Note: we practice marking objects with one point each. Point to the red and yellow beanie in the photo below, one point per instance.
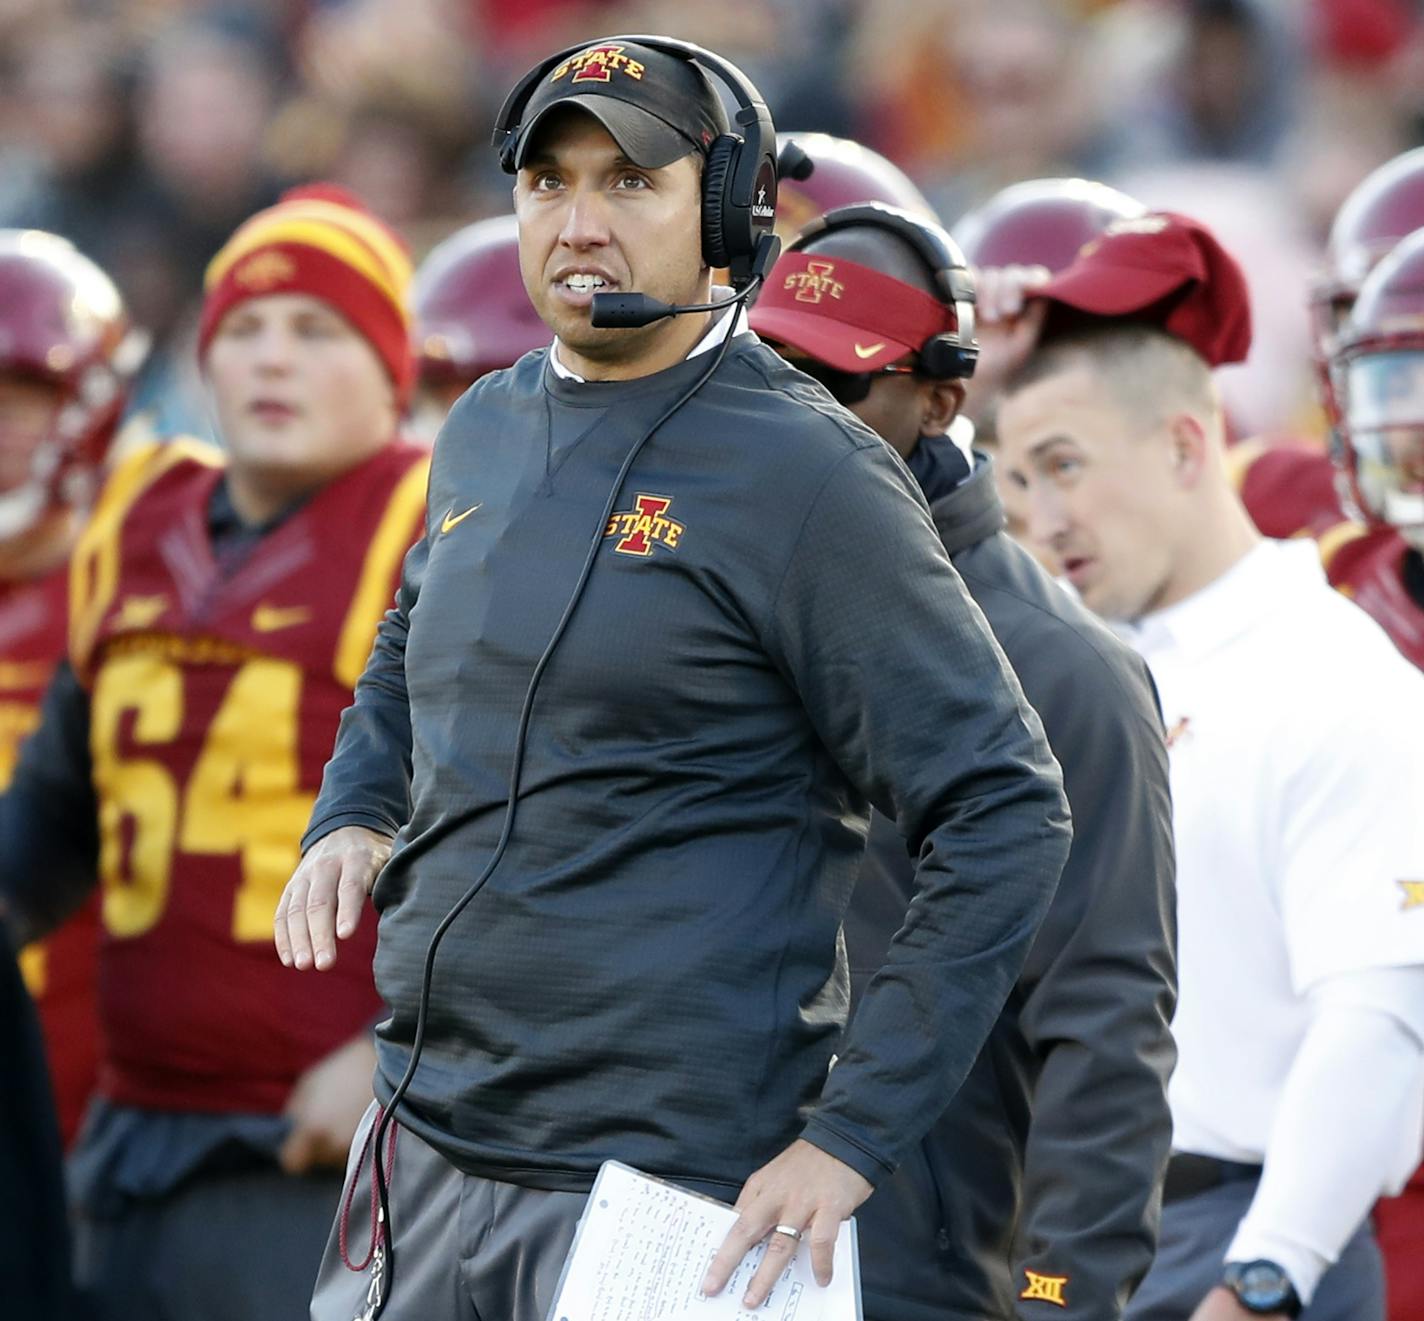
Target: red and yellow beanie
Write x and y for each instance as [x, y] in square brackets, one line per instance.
[319, 240]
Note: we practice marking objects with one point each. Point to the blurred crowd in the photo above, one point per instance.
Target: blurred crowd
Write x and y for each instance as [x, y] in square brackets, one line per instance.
[145, 130]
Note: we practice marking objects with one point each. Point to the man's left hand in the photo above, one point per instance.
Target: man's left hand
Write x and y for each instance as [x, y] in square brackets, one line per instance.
[803, 1187]
[1221, 1305]
[326, 1107]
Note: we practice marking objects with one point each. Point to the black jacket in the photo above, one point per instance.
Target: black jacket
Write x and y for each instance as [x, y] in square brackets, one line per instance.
[34, 1241]
[1061, 1131]
[771, 638]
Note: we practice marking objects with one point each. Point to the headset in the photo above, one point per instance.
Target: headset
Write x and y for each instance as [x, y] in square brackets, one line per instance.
[738, 210]
[952, 354]
[738, 179]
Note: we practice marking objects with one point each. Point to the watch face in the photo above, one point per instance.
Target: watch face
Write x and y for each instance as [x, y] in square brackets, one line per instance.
[1263, 1287]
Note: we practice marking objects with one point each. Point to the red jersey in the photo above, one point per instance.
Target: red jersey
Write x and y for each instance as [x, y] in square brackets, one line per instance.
[1288, 488]
[214, 701]
[59, 971]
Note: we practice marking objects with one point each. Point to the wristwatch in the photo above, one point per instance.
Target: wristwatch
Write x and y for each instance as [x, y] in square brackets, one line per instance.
[1262, 1287]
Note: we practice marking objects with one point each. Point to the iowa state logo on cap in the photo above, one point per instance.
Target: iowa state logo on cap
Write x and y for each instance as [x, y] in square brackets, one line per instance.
[816, 282]
[598, 64]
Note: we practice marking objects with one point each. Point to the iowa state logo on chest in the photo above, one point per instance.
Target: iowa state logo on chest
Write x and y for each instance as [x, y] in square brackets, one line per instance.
[644, 526]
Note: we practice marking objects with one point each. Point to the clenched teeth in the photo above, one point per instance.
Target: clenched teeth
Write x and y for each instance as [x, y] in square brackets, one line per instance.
[582, 284]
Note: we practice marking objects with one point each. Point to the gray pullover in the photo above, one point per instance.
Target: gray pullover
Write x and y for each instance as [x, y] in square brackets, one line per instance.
[772, 639]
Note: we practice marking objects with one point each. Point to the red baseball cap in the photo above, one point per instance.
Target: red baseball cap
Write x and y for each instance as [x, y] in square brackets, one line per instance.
[1166, 268]
[844, 314]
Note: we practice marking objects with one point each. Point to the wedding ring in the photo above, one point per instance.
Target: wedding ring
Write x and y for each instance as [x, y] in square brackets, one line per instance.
[789, 1230]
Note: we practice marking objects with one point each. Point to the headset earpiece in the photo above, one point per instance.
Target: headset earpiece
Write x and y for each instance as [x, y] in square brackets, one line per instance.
[941, 356]
[716, 179]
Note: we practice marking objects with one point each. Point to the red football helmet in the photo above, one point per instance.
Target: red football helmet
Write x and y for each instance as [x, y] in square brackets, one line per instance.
[63, 323]
[1378, 369]
[1385, 206]
[1041, 222]
[471, 312]
[845, 174]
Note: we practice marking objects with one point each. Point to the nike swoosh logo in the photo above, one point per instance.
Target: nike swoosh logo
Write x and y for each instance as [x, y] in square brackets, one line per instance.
[868, 350]
[138, 612]
[452, 518]
[271, 618]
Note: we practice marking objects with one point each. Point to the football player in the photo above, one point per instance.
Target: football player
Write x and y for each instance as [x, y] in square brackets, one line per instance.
[1378, 366]
[1291, 487]
[67, 354]
[843, 173]
[471, 316]
[1379, 369]
[221, 608]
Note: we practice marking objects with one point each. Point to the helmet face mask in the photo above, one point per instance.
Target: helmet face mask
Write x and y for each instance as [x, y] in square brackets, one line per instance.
[1377, 375]
[30, 448]
[64, 331]
[1384, 411]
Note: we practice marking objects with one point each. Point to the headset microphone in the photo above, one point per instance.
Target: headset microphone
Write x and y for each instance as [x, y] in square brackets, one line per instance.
[628, 311]
[793, 162]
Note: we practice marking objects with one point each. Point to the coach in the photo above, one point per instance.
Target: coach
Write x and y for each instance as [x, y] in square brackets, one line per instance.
[770, 639]
[1036, 1193]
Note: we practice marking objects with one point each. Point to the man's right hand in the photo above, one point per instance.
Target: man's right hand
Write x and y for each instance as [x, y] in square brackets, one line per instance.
[1007, 322]
[323, 901]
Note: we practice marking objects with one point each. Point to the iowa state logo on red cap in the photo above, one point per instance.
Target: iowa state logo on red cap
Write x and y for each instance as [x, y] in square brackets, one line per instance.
[598, 64]
[815, 282]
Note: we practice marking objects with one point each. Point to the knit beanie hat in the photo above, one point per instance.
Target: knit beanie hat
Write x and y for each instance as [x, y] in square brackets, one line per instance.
[319, 240]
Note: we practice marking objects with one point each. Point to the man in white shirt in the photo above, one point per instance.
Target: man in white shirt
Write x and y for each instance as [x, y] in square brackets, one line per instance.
[1297, 777]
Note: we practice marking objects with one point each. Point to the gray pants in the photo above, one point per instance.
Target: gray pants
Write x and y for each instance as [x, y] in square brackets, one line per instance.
[466, 1249]
[1196, 1232]
[239, 1246]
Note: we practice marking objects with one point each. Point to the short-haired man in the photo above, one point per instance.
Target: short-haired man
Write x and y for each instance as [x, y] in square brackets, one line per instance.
[1036, 1193]
[651, 972]
[1296, 781]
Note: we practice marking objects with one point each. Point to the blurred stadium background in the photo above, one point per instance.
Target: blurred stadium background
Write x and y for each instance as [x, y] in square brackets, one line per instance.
[145, 130]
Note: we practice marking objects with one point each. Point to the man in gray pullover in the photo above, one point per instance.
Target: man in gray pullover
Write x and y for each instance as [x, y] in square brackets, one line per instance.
[770, 638]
